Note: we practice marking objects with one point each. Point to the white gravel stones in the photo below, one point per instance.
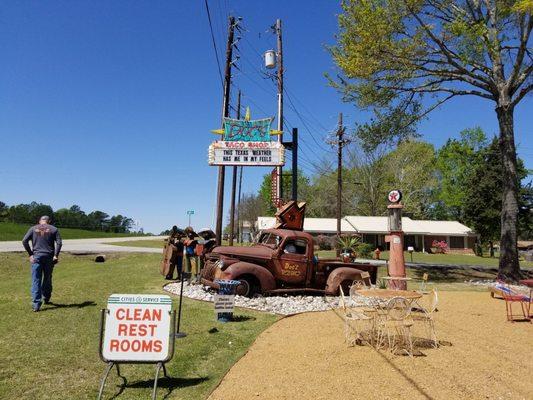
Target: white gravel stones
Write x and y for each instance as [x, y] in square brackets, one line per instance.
[285, 305]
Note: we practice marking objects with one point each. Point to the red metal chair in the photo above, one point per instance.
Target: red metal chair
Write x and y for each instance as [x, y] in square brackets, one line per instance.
[511, 297]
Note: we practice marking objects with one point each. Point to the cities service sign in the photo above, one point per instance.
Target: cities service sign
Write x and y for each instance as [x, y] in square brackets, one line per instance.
[247, 142]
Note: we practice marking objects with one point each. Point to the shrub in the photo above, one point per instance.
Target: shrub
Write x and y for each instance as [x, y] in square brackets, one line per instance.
[324, 242]
[364, 250]
[440, 246]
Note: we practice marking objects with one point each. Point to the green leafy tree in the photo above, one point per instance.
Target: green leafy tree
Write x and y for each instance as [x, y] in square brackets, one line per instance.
[397, 55]
[455, 161]
[98, 220]
[482, 194]
[411, 168]
[265, 191]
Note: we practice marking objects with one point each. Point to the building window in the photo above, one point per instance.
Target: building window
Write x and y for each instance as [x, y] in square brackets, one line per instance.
[457, 242]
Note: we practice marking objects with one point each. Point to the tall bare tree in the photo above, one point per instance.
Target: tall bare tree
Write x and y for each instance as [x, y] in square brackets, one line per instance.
[392, 53]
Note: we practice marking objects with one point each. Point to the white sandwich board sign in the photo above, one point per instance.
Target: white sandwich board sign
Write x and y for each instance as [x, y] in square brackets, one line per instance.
[137, 328]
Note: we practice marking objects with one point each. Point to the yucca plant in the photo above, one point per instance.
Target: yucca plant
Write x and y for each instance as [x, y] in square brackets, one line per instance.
[348, 243]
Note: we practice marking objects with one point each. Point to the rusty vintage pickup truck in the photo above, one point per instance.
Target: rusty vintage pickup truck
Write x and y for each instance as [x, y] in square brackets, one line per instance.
[281, 261]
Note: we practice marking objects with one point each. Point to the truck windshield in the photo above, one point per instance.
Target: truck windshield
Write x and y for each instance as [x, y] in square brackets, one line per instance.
[269, 239]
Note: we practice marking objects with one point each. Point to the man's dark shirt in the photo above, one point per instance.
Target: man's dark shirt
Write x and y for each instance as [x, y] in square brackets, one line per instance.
[43, 237]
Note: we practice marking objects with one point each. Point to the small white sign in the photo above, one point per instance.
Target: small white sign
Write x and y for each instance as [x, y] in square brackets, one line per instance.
[224, 303]
[137, 327]
[395, 240]
[246, 153]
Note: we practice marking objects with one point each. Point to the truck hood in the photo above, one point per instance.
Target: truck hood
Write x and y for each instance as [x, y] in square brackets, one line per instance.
[256, 251]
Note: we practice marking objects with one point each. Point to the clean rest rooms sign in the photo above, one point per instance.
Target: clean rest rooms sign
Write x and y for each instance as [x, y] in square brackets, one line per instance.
[246, 153]
[137, 327]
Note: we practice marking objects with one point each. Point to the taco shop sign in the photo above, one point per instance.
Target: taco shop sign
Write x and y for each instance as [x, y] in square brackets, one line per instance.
[246, 153]
[247, 142]
[137, 328]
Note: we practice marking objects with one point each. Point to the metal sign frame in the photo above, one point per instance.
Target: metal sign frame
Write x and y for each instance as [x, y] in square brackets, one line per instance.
[115, 363]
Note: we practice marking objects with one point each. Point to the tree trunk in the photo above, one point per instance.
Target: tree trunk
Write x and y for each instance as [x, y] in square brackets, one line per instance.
[509, 268]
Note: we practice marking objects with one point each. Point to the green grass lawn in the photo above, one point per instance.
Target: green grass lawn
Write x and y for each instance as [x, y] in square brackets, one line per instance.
[11, 231]
[53, 354]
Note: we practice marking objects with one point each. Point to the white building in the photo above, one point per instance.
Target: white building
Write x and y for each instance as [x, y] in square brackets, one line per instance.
[418, 233]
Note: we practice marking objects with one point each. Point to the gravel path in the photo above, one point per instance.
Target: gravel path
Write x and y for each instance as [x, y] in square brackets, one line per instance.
[305, 357]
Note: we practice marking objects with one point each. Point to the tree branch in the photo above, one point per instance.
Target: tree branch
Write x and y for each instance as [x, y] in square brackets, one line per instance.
[525, 90]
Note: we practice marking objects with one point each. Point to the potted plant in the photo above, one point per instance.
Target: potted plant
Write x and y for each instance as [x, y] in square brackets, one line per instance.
[348, 245]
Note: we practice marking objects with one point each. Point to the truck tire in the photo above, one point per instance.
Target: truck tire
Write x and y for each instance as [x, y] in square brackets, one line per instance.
[249, 286]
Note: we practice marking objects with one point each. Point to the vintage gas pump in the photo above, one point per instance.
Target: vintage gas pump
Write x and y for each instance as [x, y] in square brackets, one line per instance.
[395, 239]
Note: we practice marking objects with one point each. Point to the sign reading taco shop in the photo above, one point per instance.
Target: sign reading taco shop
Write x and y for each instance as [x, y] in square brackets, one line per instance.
[247, 142]
[137, 328]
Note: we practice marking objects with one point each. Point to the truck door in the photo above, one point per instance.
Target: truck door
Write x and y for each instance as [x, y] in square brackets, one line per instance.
[293, 261]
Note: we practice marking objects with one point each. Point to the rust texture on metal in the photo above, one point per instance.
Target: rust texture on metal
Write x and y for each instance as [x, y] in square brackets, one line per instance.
[282, 261]
[291, 216]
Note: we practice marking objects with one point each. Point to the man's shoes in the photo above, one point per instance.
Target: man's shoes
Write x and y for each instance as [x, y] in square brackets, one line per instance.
[35, 309]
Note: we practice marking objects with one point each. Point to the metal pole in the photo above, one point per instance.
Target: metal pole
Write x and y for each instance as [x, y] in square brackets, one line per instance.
[239, 225]
[295, 164]
[279, 170]
[234, 184]
[225, 113]
[340, 133]
[179, 334]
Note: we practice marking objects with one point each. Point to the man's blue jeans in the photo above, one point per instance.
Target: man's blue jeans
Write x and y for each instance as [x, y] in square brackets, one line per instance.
[41, 277]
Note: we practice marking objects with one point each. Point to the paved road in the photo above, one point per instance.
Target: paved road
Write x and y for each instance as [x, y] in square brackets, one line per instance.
[101, 245]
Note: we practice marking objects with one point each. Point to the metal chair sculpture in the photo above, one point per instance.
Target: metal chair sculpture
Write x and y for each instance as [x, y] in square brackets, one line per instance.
[425, 316]
[511, 297]
[398, 325]
[355, 322]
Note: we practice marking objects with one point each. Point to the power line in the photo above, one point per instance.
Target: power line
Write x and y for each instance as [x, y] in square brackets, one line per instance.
[292, 106]
[214, 43]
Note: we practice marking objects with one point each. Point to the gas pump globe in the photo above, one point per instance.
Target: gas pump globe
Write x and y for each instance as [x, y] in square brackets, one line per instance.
[395, 213]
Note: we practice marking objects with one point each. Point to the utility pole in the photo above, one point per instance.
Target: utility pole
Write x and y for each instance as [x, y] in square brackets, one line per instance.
[234, 184]
[225, 113]
[279, 170]
[340, 144]
[239, 223]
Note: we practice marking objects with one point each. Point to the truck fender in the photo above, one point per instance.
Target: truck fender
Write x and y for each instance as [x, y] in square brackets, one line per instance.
[340, 275]
[265, 278]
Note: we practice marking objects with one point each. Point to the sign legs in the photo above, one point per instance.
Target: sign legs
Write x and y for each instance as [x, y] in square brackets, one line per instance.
[157, 369]
[110, 365]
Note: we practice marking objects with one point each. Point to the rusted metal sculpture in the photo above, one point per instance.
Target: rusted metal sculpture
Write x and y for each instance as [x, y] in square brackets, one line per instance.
[282, 261]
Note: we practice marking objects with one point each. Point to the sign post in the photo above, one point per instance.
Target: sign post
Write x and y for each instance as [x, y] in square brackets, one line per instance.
[137, 329]
[190, 213]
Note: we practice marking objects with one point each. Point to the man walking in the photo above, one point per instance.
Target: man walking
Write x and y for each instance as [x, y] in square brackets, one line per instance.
[46, 243]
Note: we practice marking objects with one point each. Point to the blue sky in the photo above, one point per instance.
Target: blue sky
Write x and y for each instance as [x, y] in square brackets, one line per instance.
[109, 104]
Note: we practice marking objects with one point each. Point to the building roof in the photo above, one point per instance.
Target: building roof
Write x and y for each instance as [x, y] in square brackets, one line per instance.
[375, 225]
